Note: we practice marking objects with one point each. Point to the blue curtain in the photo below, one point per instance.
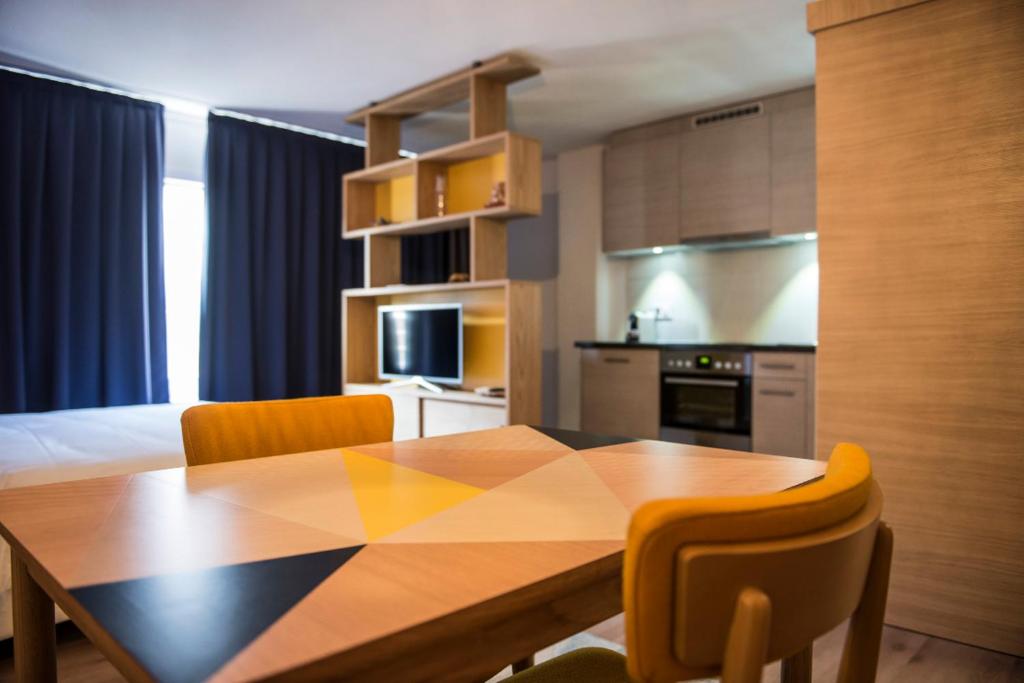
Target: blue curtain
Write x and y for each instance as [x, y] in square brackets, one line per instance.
[433, 258]
[275, 262]
[81, 262]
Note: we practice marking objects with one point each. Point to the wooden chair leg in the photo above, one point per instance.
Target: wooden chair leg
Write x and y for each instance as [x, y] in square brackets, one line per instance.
[35, 646]
[797, 669]
[747, 646]
[864, 637]
[522, 664]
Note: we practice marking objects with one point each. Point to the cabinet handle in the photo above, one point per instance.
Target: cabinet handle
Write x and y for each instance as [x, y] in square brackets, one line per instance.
[776, 392]
[616, 360]
[701, 382]
[778, 366]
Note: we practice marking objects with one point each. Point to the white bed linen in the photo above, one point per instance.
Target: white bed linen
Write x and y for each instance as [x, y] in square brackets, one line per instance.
[64, 445]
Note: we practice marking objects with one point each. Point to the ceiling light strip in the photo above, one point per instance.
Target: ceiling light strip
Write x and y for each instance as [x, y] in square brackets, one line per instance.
[299, 129]
[80, 84]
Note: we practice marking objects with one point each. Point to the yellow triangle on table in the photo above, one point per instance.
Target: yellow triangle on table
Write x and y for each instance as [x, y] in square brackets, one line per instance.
[391, 497]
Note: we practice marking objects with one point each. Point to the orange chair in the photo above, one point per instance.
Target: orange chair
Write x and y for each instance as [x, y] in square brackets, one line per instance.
[221, 432]
[721, 586]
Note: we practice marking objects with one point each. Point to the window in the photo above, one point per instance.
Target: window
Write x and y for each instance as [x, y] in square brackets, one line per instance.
[184, 245]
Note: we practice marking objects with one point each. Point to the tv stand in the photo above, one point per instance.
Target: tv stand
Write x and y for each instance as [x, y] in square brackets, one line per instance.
[415, 381]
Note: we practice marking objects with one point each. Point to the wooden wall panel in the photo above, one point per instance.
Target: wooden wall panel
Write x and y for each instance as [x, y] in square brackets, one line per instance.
[523, 321]
[920, 144]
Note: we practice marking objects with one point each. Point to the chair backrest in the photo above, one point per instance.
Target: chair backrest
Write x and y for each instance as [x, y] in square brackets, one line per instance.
[804, 553]
[220, 432]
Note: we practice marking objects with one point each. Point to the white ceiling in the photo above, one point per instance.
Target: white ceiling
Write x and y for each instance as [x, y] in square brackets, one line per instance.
[606, 64]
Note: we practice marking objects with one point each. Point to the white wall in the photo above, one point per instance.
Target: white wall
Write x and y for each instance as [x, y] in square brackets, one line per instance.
[591, 287]
[763, 295]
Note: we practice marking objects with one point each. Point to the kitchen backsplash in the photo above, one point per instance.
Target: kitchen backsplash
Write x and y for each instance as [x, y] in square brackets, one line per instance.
[764, 295]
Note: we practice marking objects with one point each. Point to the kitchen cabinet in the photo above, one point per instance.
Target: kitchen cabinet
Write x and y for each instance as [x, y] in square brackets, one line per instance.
[782, 410]
[746, 174]
[619, 392]
[641, 206]
[793, 171]
[779, 417]
[725, 179]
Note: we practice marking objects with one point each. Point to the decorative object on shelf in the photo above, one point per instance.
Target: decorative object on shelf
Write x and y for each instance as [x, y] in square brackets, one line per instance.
[439, 188]
[458, 277]
[497, 195]
[382, 221]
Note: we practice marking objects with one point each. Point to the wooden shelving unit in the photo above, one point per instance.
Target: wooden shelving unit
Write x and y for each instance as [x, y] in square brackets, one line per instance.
[501, 316]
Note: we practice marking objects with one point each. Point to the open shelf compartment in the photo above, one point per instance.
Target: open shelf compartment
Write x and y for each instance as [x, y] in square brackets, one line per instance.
[501, 336]
[382, 193]
[404, 192]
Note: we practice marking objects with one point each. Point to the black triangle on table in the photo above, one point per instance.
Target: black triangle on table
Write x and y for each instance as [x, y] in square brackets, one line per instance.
[185, 626]
[581, 440]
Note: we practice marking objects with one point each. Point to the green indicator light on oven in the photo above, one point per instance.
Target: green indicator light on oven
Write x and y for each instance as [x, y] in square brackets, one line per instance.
[703, 361]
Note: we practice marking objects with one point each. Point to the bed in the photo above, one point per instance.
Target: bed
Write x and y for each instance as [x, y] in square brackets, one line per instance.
[63, 445]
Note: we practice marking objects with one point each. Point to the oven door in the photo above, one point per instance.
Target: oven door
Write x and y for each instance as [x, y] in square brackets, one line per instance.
[712, 403]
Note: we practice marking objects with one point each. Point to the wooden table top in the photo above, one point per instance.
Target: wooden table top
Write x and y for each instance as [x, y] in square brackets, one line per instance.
[248, 569]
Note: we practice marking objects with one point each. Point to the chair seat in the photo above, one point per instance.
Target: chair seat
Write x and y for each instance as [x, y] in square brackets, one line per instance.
[586, 665]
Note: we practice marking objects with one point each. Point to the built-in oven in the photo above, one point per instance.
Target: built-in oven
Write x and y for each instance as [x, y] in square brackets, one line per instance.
[705, 398]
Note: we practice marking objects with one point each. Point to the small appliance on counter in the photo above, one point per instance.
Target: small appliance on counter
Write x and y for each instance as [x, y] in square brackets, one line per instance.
[643, 326]
[633, 333]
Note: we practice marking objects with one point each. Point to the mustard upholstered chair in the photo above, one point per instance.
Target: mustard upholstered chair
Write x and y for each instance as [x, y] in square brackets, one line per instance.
[220, 432]
[721, 586]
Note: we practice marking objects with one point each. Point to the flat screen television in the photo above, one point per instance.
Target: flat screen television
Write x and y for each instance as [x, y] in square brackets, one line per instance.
[420, 340]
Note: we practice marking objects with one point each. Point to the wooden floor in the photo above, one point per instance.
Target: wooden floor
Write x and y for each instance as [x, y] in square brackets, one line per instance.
[906, 657]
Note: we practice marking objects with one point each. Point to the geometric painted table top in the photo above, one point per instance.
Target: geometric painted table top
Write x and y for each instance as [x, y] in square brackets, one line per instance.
[245, 569]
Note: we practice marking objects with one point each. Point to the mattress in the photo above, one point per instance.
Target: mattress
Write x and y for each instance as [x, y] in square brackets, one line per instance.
[64, 445]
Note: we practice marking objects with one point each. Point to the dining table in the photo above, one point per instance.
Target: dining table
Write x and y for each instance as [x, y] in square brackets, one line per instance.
[433, 559]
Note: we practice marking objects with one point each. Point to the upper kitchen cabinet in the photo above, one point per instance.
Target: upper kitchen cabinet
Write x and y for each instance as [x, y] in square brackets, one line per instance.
[725, 177]
[793, 166]
[747, 170]
[641, 181]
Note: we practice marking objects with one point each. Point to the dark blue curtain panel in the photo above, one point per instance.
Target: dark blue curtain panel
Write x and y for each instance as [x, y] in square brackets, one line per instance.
[275, 262]
[81, 257]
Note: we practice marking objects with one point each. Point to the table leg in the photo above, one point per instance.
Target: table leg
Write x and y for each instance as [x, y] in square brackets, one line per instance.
[35, 649]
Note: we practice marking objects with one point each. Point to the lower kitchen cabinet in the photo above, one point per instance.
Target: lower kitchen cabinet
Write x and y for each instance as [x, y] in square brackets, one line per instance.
[620, 392]
[782, 404]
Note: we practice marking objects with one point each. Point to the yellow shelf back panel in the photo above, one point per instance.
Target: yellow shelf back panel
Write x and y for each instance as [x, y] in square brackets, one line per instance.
[483, 331]
[469, 183]
[394, 199]
[483, 353]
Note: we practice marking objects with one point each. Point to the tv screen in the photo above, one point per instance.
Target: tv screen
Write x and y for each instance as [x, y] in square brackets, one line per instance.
[423, 340]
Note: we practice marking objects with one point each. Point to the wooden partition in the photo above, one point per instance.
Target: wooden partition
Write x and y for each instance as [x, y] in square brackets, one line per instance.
[393, 197]
[920, 144]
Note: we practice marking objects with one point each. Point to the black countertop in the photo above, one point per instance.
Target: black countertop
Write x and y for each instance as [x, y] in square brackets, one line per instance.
[672, 346]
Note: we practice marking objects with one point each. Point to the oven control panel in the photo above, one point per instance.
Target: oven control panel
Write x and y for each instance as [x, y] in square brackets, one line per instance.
[699, 362]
